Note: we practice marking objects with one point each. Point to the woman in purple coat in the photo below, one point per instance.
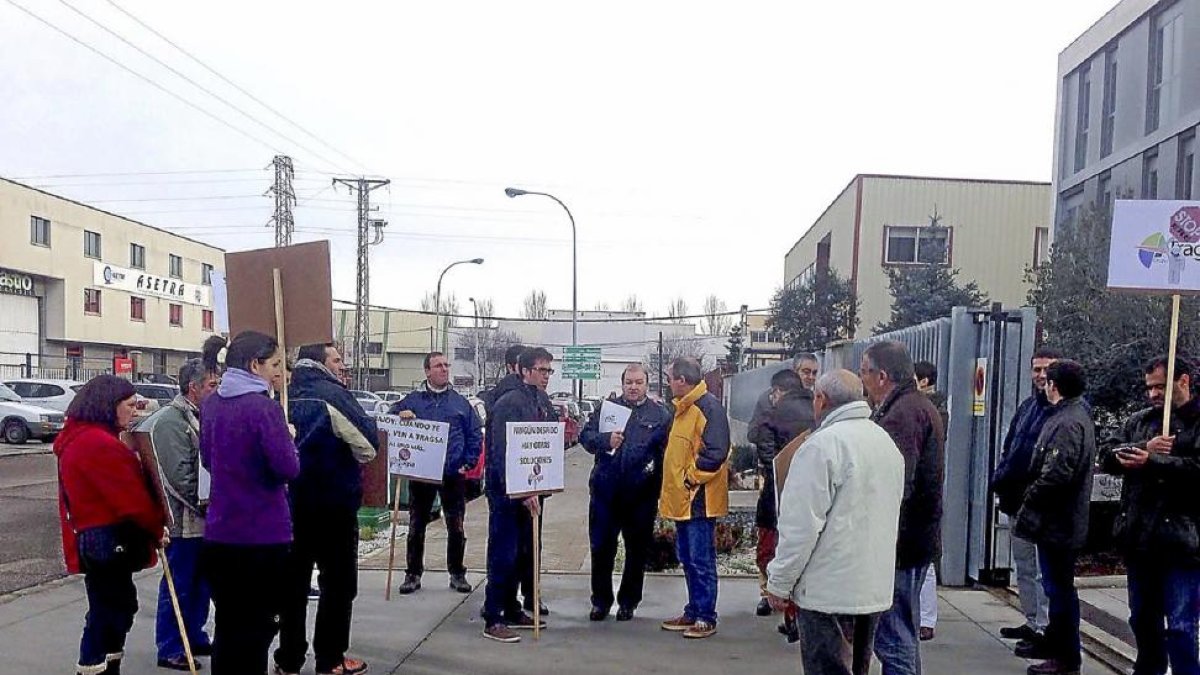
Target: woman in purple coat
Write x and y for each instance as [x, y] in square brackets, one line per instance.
[247, 447]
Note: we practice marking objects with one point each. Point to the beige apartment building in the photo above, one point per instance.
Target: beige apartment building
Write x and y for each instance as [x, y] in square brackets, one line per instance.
[762, 345]
[990, 230]
[80, 287]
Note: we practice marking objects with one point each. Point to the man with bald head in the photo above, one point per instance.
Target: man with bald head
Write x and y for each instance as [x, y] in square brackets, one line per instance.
[838, 519]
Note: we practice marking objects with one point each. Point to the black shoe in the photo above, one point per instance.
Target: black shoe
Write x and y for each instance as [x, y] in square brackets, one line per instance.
[598, 614]
[177, 663]
[542, 608]
[1022, 632]
[625, 614]
[1032, 649]
[525, 621]
[1052, 667]
[202, 650]
[412, 584]
[458, 582]
[764, 608]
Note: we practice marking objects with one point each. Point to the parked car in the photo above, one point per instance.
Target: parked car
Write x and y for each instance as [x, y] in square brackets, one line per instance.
[588, 408]
[571, 434]
[20, 421]
[369, 401]
[163, 394]
[53, 394]
[390, 396]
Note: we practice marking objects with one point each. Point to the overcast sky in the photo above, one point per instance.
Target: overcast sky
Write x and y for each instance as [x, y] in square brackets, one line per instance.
[694, 141]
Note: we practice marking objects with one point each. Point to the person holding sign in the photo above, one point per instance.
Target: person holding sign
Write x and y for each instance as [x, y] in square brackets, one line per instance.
[1158, 514]
[436, 401]
[334, 437]
[626, 479]
[526, 403]
[695, 492]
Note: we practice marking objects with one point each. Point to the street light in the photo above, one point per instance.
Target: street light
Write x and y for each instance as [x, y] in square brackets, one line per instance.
[437, 298]
[517, 192]
[478, 367]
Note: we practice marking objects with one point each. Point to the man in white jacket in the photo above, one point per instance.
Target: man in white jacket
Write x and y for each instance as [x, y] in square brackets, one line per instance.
[838, 517]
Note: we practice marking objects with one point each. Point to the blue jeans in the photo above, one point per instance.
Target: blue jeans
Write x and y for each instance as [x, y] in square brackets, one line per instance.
[897, 644]
[697, 550]
[190, 586]
[503, 574]
[1159, 590]
[1058, 580]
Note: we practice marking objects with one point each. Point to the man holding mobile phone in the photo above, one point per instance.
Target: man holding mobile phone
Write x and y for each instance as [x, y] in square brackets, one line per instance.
[1157, 525]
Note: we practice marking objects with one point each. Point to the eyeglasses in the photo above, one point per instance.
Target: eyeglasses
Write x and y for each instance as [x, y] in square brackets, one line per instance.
[548, 371]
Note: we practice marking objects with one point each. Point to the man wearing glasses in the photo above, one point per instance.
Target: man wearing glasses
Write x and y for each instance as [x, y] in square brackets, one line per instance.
[526, 403]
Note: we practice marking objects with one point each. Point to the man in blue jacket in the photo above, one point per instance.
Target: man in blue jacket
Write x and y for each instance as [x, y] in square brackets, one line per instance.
[436, 401]
[334, 436]
[626, 479]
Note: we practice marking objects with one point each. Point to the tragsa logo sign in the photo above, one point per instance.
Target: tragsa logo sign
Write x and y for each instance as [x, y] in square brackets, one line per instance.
[1153, 248]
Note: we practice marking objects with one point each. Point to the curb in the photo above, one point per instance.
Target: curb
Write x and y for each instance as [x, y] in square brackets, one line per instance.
[1096, 643]
[25, 452]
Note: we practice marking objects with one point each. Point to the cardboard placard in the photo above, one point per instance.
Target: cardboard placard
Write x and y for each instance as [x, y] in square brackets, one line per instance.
[535, 458]
[307, 292]
[1155, 246]
[783, 462]
[416, 448]
[140, 441]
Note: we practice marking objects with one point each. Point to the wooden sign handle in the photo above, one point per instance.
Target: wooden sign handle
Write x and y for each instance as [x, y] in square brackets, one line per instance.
[387, 594]
[1170, 385]
[277, 282]
[537, 579]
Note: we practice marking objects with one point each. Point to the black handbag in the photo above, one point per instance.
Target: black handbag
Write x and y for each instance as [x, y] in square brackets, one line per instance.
[121, 546]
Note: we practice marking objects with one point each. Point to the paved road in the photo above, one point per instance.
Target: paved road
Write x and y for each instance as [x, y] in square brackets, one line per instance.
[32, 550]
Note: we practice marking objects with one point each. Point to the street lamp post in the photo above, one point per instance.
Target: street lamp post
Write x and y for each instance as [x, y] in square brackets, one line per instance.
[437, 298]
[516, 192]
[478, 366]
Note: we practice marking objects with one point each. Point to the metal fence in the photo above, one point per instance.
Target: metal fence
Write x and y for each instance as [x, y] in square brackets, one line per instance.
[15, 366]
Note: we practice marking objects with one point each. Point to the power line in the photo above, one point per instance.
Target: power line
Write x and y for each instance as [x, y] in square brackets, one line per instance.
[233, 84]
[129, 173]
[647, 319]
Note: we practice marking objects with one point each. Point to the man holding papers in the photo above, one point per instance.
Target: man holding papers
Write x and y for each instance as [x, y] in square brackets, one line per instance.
[628, 437]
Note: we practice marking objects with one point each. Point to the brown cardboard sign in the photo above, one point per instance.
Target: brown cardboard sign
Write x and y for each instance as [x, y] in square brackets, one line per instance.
[783, 463]
[140, 442]
[307, 292]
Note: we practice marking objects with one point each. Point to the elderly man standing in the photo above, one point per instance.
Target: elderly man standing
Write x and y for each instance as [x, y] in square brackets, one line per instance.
[175, 436]
[914, 424]
[695, 492]
[837, 530]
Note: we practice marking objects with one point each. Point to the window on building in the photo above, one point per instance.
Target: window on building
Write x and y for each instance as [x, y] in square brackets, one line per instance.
[176, 314]
[1068, 96]
[1104, 195]
[206, 271]
[464, 354]
[176, 267]
[91, 244]
[916, 245]
[39, 231]
[824, 251]
[1071, 204]
[1083, 117]
[1165, 64]
[91, 301]
[1150, 174]
[374, 348]
[1185, 172]
[1108, 105]
[137, 256]
[206, 319]
[1041, 246]
[137, 309]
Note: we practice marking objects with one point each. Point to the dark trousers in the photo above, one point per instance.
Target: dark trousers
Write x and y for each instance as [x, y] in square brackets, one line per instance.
[112, 604]
[329, 541]
[504, 532]
[248, 584]
[525, 549]
[836, 644]
[453, 491]
[1163, 591]
[630, 516]
[194, 600]
[1058, 580]
[768, 540]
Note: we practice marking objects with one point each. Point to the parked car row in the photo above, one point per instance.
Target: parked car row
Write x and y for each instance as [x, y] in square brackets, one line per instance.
[24, 402]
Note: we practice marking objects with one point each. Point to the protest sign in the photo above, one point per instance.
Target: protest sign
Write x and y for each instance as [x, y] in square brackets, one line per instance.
[304, 290]
[783, 463]
[416, 448]
[613, 417]
[534, 461]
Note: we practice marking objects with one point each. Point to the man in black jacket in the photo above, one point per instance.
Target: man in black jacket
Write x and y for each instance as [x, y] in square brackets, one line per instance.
[1156, 528]
[334, 436]
[526, 403]
[1054, 513]
[625, 483]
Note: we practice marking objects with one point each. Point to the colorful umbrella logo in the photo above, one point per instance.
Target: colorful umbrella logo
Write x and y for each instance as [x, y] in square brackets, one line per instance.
[1154, 246]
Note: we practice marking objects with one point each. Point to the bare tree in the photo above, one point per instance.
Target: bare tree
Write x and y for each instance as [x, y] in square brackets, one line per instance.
[449, 303]
[674, 347]
[487, 348]
[535, 305]
[715, 320]
[487, 310]
[632, 305]
[677, 310]
[602, 306]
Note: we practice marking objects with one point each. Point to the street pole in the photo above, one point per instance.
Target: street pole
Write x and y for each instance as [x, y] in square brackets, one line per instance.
[660, 366]
[475, 351]
[437, 299]
[516, 192]
[362, 297]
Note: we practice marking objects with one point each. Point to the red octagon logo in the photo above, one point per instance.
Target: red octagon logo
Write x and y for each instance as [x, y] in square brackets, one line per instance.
[1185, 224]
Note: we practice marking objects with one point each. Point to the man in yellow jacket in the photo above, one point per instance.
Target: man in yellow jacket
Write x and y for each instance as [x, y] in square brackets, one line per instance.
[695, 492]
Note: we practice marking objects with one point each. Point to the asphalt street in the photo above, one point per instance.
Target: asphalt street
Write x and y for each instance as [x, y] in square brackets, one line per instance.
[30, 542]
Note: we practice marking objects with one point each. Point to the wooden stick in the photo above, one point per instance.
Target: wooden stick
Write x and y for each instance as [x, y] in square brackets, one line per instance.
[1170, 386]
[387, 594]
[537, 577]
[277, 282]
[187, 645]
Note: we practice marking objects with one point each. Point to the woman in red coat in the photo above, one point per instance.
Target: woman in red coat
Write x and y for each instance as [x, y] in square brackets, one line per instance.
[111, 524]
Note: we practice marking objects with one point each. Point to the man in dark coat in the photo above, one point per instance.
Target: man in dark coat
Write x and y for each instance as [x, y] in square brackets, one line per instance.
[334, 436]
[626, 479]
[1054, 513]
[916, 427]
[1158, 520]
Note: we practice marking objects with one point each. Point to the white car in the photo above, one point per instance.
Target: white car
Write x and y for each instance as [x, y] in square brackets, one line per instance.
[53, 394]
[21, 421]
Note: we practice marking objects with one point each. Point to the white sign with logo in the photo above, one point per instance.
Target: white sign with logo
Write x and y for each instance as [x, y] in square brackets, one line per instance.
[1155, 246]
[138, 282]
[15, 283]
[416, 448]
[535, 457]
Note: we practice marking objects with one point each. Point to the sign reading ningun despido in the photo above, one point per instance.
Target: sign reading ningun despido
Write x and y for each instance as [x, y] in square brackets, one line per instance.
[1155, 246]
[534, 461]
